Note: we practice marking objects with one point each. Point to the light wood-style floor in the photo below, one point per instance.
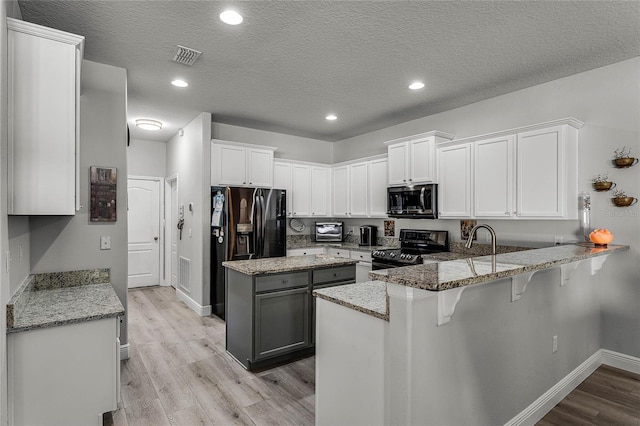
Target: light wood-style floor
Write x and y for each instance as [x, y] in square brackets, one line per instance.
[178, 373]
[609, 396]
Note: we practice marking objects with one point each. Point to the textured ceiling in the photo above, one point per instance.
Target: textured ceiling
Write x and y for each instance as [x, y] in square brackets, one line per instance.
[292, 62]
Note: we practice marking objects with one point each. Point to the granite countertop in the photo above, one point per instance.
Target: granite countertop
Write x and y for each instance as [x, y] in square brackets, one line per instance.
[442, 275]
[49, 300]
[276, 265]
[368, 297]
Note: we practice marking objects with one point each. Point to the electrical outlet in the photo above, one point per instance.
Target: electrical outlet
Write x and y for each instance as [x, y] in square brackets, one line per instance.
[557, 240]
[352, 229]
[105, 243]
[554, 348]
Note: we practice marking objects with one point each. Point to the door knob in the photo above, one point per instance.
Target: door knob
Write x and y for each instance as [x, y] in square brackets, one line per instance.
[155, 238]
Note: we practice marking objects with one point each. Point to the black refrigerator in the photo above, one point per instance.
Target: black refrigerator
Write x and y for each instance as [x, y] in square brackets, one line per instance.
[246, 223]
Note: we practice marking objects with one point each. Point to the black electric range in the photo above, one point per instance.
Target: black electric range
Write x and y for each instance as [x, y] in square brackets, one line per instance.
[415, 246]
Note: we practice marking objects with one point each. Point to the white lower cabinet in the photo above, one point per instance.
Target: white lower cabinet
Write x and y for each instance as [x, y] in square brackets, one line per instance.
[64, 375]
[306, 251]
[363, 267]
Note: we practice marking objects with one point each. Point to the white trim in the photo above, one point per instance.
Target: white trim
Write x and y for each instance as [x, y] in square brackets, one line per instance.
[436, 133]
[203, 311]
[46, 32]
[242, 144]
[124, 351]
[573, 122]
[621, 361]
[541, 406]
[362, 160]
[168, 227]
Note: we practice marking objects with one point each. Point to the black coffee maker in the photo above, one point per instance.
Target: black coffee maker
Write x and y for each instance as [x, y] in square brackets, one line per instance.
[368, 235]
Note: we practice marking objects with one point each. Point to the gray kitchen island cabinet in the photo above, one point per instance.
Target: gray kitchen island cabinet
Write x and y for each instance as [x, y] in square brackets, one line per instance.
[270, 316]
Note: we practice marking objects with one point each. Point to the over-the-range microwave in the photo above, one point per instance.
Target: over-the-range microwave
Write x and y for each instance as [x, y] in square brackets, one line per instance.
[417, 201]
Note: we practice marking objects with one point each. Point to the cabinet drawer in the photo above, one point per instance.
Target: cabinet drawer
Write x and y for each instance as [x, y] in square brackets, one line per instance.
[281, 281]
[338, 252]
[364, 256]
[334, 274]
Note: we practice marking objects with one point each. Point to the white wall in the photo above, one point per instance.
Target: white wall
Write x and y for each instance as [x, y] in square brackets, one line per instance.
[607, 99]
[146, 158]
[189, 157]
[65, 243]
[289, 147]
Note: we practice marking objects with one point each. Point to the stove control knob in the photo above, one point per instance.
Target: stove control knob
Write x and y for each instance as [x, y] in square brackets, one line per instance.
[375, 253]
[392, 255]
[410, 257]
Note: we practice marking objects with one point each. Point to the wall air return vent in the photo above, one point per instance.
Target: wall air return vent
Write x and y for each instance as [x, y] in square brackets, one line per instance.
[185, 55]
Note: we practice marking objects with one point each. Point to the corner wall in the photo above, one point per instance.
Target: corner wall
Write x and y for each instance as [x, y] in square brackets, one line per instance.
[64, 243]
[189, 157]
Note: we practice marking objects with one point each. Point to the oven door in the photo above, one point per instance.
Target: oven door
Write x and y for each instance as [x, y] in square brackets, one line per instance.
[378, 264]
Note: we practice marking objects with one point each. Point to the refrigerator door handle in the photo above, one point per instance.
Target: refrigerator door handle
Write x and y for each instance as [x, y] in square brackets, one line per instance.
[263, 224]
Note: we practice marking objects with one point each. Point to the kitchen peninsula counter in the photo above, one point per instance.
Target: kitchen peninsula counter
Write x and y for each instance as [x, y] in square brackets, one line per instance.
[437, 275]
[445, 342]
[277, 265]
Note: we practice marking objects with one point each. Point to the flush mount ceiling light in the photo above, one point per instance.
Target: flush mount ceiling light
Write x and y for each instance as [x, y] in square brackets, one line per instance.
[180, 83]
[331, 117]
[147, 124]
[416, 85]
[231, 17]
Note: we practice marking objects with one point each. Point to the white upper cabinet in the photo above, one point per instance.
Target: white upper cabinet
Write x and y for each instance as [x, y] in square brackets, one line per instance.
[494, 177]
[320, 184]
[412, 159]
[282, 180]
[360, 189]
[43, 126]
[525, 173]
[241, 165]
[377, 187]
[454, 177]
[307, 187]
[547, 167]
[301, 189]
[358, 194]
[340, 191]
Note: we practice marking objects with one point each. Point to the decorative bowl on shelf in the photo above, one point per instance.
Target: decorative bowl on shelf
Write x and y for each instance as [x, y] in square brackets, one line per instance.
[601, 237]
[624, 201]
[625, 162]
[603, 186]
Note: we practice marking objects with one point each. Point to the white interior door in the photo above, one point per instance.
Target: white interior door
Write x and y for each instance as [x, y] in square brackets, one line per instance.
[144, 232]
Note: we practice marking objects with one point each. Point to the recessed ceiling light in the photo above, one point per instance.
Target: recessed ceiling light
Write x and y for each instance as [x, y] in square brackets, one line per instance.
[331, 117]
[180, 83]
[231, 17]
[148, 124]
[416, 85]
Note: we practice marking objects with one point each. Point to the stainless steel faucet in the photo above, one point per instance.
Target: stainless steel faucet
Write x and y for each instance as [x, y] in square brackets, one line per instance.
[491, 231]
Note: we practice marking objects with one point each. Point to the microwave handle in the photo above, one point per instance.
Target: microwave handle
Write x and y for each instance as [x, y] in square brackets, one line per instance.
[422, 200]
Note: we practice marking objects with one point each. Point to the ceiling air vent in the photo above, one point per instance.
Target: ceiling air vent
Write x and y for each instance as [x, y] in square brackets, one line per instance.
[186, 56]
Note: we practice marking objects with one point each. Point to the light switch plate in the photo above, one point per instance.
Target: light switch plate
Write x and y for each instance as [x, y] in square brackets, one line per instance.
[105, 243]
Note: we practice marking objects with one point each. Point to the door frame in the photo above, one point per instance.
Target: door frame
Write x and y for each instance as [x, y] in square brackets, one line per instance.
[161, 227]
[168, 221]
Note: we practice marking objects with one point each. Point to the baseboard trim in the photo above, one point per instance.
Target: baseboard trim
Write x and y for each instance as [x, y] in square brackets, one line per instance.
[124, 351]
[541, 406]
[203, 311]
[621, 361]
